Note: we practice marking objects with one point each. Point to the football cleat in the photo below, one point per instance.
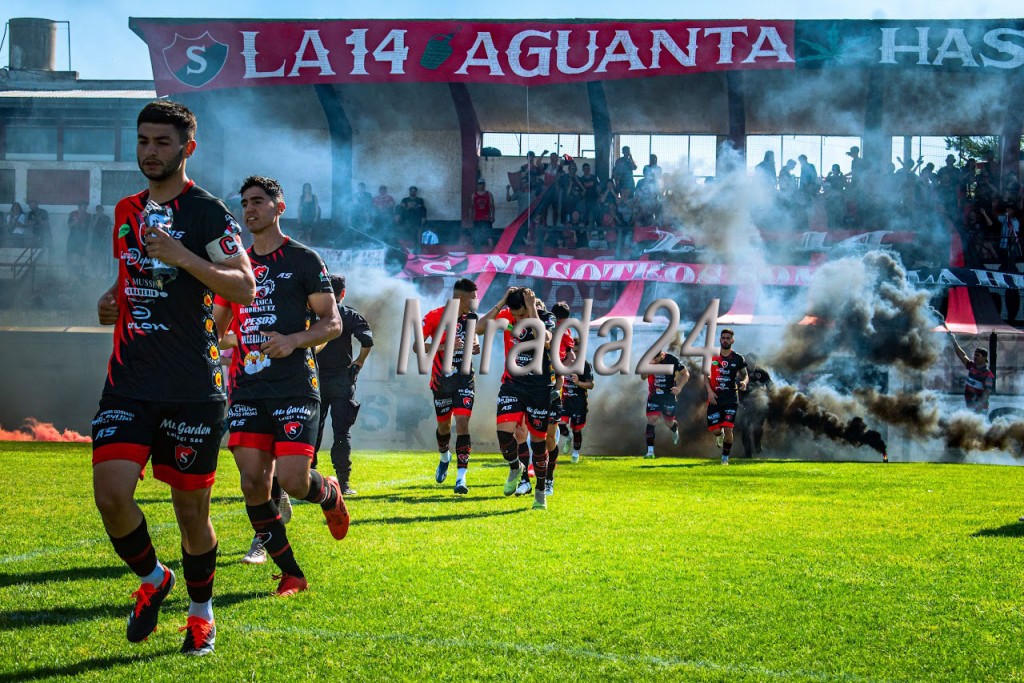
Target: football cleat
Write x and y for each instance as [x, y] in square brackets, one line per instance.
[549, 487]
[575, 456]
[290, 585]
[284, 508]
[566, 445]
[200, 635]
[337, 517]
[347, 490]
[461, 489]
[524, 488]
[649, 456]
[539, 503]
[257, 553]
[675, 437]
[513, 479]
[143, 617]
[725, 459]
[441, 473]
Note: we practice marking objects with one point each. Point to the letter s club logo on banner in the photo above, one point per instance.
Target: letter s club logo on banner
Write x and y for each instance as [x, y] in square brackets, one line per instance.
[195, 61]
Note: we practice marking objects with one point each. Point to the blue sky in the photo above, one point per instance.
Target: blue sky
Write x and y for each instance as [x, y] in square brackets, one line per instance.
[102, 45]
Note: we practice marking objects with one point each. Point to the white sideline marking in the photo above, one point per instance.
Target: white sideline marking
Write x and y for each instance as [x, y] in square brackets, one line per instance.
[526, 649]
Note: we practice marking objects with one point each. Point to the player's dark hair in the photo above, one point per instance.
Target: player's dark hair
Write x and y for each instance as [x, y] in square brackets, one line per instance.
[177, 115]
[464, 285]
[983, 352]
[268, 185]
[561, 310]
[726, 329]
[338, 284]
[516, 299]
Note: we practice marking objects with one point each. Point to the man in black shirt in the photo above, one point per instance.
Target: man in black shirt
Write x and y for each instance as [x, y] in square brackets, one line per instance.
[164, 394]
[753, 400]
[338, 374]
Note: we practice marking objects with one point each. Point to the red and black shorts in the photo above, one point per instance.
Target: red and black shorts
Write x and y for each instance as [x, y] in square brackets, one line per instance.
[282, 426]
[182, 438]
[574, 412]
[453, 394]
[661, 404]
[721, 415]
[532, 405]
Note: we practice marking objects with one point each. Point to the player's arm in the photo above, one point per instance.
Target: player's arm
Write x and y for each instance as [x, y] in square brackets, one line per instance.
[582, 383]
[493, 313]
[229, 274]
[712, 396]
[107, 309]
[744, 379]
[681, 377]
[323, 330]
[364, 336]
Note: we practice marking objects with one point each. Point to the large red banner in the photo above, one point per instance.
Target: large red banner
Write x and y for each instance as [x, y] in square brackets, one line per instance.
[193, 54]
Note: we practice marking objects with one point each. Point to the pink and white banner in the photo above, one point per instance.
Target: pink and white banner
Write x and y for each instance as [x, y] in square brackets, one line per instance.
[204, 54]
[605, 271]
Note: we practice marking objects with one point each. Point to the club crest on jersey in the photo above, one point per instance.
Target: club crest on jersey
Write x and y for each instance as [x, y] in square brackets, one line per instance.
[260, 272]
[184, 456]
[265, 290]
[195, 61]
[292, 429]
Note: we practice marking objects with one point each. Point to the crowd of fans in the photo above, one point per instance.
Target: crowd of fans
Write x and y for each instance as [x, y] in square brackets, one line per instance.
[88, 234]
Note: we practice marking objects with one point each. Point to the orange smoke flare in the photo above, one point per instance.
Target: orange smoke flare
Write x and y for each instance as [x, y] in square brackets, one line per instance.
[34, 430]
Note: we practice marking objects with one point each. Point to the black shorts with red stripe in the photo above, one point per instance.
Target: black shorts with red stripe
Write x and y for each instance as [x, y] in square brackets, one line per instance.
[282, 426]
[530, 405]
[721, 414]
[453, 394]
[574, 412]
[183, 438]
[661, 404]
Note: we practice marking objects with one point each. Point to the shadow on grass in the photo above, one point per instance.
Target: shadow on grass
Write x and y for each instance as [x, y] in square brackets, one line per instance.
[86, 666]
[167, 500]
[62, 575]
[14, 620]
[437, 518]
[1014, 530]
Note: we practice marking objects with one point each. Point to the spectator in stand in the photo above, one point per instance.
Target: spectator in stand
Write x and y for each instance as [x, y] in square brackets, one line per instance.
[522, 196]
[608, 205]
[577, 225]
[549, 199]
[946, 180]
[654, 169]
[764, 172]
[383, 209]
[570, 193]
[483, 216]
[622, 171]
[1009, 238]
[429, 238]
[591, 188]
[985, 191]
[16, 226]
[856, 165]
[965, 186]
[79, 223]
[533, 172]
[835, 196]
[787, 184]
[648, 199]
[309, 214]
[39, 224]
[361, 214]
[100, 237]
[810, 183]
[411, 216]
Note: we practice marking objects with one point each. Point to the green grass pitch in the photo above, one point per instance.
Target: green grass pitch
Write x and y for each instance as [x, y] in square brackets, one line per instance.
[672, 569]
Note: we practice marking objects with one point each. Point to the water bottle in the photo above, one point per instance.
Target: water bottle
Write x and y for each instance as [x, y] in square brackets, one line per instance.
[158, 216]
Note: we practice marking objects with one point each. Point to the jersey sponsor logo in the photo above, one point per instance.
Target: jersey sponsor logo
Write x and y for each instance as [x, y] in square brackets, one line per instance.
[253, 324]
[195, 61]
[184, 456]
[144, 294]
[148, 327]
[185, 429]
[255, 361]
[108, 416]
[265, 290]
[141, 313]
[284, 276]
[442, 402]
[260, 272]
[106, 433]
[292, 429]
[506, 400]
[242, 410]
[218, 378]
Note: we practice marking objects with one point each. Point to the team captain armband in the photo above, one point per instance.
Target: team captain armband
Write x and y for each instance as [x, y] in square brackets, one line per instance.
[224, 247]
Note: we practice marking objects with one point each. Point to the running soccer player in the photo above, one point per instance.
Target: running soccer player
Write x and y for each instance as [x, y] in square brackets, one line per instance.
[575, 392]
[728, 377]
[164, 393]
[524, 398]
[275, 403]
[662, 392]
[453, 392]
[338, 375]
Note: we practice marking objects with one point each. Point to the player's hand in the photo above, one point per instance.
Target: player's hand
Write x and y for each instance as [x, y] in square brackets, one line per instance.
[675, 390]
[107, 309]
[743, 385]
[278, 345]
[476, 348]
[713, 399]
[575, 378]
[162, 246]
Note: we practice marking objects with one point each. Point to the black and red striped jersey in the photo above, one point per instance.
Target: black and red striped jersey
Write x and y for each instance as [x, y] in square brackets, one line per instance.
[724, 370]
[661, 385]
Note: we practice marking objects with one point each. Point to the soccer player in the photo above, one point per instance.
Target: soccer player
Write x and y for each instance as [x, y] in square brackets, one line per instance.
[275, 403]
[575, 391]
[980, 379]
[164, 393]
[524, 398]
[338, 375]
[453, 392]
[662, 391]
[728, 377]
